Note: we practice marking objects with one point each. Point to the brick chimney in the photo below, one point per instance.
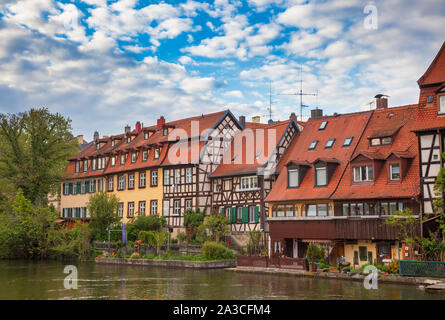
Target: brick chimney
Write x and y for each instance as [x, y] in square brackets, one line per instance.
[381, 101]
[138, 127]
[242, 120]
[316, 113]
[96, 135]
[161, 123]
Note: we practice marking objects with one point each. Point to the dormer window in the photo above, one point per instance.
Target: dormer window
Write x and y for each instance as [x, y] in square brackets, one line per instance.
[375, 142]
[77, 166]
[122, 159]
[156, 155]
[165, 131]
[313, 145]
[394, 171]
[113, 161]
[133, 157]
[94, 164]
[144, 155]
[113, 142]
[386, 140]
[292, 178]
[128, 139]
[97, 146]
[348, 142]
[330, 143]
[321, 178]
[442, 103]
[363, 173]
[146, 135]
[323, 125]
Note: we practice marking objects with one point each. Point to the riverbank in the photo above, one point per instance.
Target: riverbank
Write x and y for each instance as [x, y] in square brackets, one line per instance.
[390, 278]
[169, 263]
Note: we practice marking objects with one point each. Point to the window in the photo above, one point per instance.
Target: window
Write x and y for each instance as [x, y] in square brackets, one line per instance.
[166, 207]
[113, 161]
[380, 141]
[239, 213]
[165, 132]
[145, 135]
[154, 178]
[131, 181]
[166, 177]
[66, 188]
[188, 204]
[142, 180]
[110, 184]
[130, 209]
[311, 210]
[99, 185]
[154, 207]
[320, 210]
[142, 208]
[386, 140]
[321, 176]
[82, 187]
[97, 146]
[330, 143]
[177, 207]
[442, 104]
[313, 145]
[348, 142]
[292, 178]
[144, 155]
[113, 142]
[363, 173]
[94, 164]
[156, 153]
[134, 156]
[375, 142]
[121, 185]
[290, 211]
[277, 246]
[92, 185]
[249, 183]
[128, 139]
[323, 125]
[363, 253]
[429, 99]
[122, 159]
[177, 176]
[77, 166]
[252, 214]
[188, 175]
[394, 171]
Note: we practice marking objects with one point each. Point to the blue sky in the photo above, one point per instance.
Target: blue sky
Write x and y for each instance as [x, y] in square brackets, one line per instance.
[106, 64]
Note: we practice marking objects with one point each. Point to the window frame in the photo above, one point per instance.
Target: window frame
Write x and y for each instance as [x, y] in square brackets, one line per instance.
[176, 208]
[293, 170]
[130, 214]
[154, 205]
[391, 166]
[144, 174]
[154, 178]
[144, 207]
[350, 142]
[314, 143]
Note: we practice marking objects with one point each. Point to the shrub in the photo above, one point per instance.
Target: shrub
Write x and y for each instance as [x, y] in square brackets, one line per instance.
[135, 255]
[215, 251]
[393, 267]
[182, 237]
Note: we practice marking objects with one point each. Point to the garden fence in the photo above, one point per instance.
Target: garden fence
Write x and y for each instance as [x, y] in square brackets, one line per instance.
[422, 268]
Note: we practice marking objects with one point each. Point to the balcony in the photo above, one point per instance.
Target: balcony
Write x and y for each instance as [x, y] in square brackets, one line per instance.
[332, 228]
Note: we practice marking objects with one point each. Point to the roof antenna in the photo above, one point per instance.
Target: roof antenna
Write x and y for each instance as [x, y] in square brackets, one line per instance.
[301, 94]
[270, 101]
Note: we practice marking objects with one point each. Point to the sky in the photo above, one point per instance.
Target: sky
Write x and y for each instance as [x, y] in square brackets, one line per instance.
[105, 64]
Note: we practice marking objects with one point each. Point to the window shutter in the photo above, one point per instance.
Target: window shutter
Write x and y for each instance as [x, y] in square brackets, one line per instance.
[70, 212]
[78, 187]
[70, 188]
[87, 186]
[245, 214]
[94, 185]
[63, 190]
[233, 215]
[222, 211]
[257, 214]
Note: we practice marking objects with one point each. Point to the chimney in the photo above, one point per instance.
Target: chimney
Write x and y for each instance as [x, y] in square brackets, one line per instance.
[242, 120]
[127, 128]
[138, 127]
[256, 119]
[316, 113]
[270, 121]
[293, 116]
[96, 135]
[161, 123]
[381, 101]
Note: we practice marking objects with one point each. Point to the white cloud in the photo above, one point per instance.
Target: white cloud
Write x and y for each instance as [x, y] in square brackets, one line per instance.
[235, 94]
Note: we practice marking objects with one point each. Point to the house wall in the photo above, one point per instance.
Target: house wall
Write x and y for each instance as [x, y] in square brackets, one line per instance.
[370, 246]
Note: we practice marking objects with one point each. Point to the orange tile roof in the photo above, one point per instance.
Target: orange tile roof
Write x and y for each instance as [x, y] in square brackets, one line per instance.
[243, 162]
[436, 71]
[339, 127]
[404, 145]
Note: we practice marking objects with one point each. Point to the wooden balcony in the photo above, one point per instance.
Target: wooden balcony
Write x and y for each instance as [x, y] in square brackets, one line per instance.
[332, 228]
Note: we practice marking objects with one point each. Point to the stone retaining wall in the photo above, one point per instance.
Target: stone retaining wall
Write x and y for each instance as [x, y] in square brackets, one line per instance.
[168, 263]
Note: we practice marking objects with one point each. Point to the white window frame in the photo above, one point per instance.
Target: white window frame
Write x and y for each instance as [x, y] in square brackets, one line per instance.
[120, 210]
[154, 177]
[166, 208]
[144, 155]
[77, 166]
[292, 171]
[110, 183]
[122, 159]
[99, 185]
[188, 175]
[113, 161]
[442, 103]
[188, 204]
[134, 157]
[391, 166]
[157, 154]
[176, 207]
[130, 209]
[177, 176]
[91, 186]
[131, 181]
[248, 183]
[121, 184]
[154, 207]
[166, 177]
[360, 175]
[319, 169]
[142, 205]
[142, 177]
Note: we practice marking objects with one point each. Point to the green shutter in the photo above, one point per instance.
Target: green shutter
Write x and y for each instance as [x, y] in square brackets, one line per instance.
[222, 211]
[233, 215]
[257, 214]
[70, 188]
[70, 212]
[245, 214]
[94, 185]
[87, 186]
[78, 187]
[63, 189]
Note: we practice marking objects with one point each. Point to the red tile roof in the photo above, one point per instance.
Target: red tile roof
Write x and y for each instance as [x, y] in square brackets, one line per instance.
[250, 156]
[436, 71]
[404, 145]
[339, 128]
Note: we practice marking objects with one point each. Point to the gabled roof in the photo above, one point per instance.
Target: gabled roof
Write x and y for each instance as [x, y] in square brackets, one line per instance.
[248, 158]
[403, 145]
[436, 71]
[339, 128]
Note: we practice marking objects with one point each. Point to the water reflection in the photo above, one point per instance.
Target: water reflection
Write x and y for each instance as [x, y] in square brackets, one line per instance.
[44, 280]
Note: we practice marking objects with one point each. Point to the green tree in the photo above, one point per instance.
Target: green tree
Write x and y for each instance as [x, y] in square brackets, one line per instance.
[407, 224]
[254, 244]
[217, 226]
[193, 219]
[34, 149]
[151, 222]
[103, 210]
[154, 239]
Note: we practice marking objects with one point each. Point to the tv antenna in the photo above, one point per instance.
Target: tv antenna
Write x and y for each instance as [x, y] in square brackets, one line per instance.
[301, 94]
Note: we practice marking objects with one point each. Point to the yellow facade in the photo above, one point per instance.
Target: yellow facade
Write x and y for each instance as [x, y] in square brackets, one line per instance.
[136, 195]
[370, 247]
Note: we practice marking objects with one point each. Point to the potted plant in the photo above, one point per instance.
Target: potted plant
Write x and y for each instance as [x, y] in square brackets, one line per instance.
[312, 254]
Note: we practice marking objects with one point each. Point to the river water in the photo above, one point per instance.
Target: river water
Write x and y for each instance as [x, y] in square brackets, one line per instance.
[45, 280]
